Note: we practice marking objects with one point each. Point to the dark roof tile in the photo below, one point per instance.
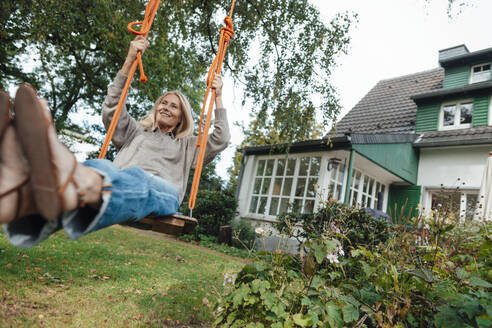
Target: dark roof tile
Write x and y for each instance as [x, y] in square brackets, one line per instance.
[387, 108]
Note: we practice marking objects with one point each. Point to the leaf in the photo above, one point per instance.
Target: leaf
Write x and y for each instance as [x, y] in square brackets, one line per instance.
[423, 273]
[462, 274]
[350, 313]
[333, 315]
[303, 320]
[484, 322]
[478, 282]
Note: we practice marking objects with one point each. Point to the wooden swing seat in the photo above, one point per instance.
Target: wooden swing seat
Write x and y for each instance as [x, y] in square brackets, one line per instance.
[175, 224]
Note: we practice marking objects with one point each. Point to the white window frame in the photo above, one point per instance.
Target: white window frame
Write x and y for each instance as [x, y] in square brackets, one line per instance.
[457, 124]
[463, 199]
[360, 192]
[472, 73]
[338, 182]
[295, 178]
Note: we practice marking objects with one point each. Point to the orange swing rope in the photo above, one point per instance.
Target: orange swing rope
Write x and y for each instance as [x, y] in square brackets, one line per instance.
[150, 12]
[226, 33]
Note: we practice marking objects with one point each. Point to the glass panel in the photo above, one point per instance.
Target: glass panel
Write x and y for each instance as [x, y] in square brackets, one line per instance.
[340, 173]
[287, 187]
[363, 201]
[256, 189]
[471, 205]
[477, 69]
[301, 184]
[263, 201]
[331, 190]
[304, 166]
[449, 112]
[254, 202]
[269, 167]
[280, 167]
[370, 190]
[277, 186]
[284, 206]
[308, 206]
[356, 178]
[466, 113]
[315, 164]
[364, 185]
[447, 203]
[311, 192]
[354, 199]
[333, 174]
[261, 166]
[338, 192]
[273, 206]
[382, 189]
[266, 186]
[486, 67]
[369, 202]
[291, 166]
[296, 206]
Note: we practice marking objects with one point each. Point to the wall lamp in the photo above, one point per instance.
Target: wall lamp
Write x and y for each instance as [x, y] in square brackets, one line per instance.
[333, 163]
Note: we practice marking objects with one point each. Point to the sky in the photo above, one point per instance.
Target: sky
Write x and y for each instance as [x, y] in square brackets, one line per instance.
[392, 38]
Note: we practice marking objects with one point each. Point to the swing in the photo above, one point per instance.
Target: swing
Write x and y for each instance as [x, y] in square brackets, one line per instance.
[175, 224]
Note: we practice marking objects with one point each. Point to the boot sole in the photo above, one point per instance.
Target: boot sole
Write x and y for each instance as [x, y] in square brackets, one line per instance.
[32, 129]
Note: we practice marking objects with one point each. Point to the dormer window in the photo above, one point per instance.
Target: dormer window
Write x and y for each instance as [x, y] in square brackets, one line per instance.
[480, 73]
[456, 115]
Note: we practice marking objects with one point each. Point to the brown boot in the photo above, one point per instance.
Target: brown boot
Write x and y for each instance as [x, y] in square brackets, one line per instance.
[59, 182]
[15, 192]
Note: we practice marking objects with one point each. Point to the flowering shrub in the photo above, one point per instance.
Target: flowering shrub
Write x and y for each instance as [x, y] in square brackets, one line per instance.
[358, 227]
[437, 274]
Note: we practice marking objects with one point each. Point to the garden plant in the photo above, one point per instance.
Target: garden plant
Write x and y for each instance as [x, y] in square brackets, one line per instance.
[353, 270]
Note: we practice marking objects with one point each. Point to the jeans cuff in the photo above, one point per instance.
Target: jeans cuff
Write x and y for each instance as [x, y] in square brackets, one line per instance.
[81, 221]
[28, 231]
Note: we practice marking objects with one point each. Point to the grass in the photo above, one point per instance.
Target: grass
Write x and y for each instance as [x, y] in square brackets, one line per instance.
[112, 278]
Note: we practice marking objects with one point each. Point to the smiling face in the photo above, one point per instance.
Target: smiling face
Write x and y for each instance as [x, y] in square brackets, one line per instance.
[168, 113]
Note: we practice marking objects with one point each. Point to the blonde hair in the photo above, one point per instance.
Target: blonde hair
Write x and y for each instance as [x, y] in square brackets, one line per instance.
[184, 128]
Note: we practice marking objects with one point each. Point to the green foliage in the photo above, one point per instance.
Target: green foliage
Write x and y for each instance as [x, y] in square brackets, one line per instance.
[78, 46]
[243, 234]
[214, 208]
[358, 227]
[435, 275]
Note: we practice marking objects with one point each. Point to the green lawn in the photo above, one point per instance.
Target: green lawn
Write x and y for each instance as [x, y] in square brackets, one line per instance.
[112, 278]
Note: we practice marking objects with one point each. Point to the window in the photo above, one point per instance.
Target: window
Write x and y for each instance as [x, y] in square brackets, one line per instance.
[336, 182]
[456, 115]
[455, 203]
[283, 181]
[480, 73]
[364, 190]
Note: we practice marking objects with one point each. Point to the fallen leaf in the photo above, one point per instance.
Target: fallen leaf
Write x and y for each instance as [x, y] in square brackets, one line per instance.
[37, 269]
[9, 265]
[205, 301]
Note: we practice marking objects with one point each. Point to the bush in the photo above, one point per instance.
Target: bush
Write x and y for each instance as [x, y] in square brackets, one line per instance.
[243, 235]
[438, 274]
[358, 227]
[213, 209]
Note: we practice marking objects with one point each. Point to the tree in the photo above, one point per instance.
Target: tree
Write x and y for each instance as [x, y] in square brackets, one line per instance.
[79, 45]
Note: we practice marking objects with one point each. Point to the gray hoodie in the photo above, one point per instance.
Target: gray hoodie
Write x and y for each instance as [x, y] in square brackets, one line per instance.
[155, 152]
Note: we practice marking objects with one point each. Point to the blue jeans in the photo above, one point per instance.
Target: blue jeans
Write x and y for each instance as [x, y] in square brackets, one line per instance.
[129, 195]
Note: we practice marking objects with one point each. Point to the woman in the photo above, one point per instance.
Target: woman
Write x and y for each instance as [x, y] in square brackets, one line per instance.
[149, 175]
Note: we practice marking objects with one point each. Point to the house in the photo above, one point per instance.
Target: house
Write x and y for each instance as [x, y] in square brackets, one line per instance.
[417, 139]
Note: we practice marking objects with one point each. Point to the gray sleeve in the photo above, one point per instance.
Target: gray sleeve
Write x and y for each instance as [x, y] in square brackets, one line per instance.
[217, 140]
[127, 126]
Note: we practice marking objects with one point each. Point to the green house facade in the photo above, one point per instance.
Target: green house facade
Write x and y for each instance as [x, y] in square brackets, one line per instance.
[412, 143]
